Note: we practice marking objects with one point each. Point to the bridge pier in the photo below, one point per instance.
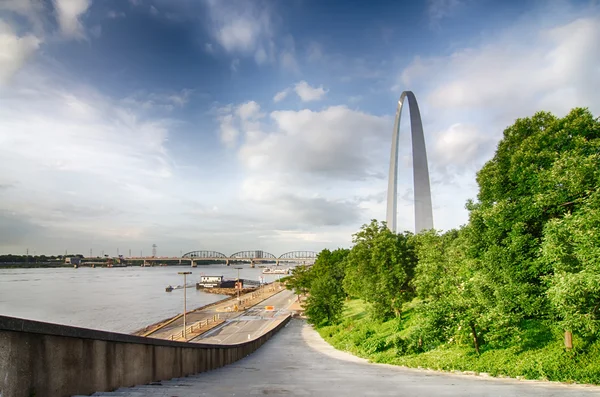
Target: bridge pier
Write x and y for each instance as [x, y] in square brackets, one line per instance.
[193, 264]
[252, 264]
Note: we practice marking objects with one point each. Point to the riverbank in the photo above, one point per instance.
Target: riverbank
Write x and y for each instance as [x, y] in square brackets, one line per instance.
[24, 265]
[226, 291]
[537, 354]
[210, 315]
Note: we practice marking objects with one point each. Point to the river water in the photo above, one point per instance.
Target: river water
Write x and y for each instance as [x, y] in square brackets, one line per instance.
[112, 299]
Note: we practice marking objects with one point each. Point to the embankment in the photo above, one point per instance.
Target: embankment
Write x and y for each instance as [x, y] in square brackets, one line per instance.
[42, 359]
[227, 291]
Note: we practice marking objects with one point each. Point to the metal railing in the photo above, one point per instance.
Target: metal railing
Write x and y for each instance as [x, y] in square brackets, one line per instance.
[197, 328]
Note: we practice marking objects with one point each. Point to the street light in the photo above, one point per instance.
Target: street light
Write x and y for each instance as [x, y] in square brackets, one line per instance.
[184, 301]
[237, 284]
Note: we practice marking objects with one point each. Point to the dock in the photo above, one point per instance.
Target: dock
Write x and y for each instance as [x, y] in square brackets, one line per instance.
[201, 320]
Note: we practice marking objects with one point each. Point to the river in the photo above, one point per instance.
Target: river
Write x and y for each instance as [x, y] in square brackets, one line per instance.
[111, 299]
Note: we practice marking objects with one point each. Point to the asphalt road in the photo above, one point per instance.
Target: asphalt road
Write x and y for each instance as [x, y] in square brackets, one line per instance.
[297, 362]
[253, 323]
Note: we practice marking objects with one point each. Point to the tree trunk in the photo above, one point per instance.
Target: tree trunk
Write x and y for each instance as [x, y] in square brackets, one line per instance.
[475, 339]
[568, 340]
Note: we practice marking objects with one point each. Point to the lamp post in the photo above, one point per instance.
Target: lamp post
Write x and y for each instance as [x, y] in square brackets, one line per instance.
[237, 284]
[184, 300]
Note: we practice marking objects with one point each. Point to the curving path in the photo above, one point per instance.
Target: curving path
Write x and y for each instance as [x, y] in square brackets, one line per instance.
[297, 362]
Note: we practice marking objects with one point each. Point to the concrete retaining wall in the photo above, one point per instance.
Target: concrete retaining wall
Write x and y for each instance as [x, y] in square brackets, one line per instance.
[50, 360]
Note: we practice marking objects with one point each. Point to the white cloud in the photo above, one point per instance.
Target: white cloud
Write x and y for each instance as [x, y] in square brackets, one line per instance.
[33, 10]
[315, 173]
[240, 34]
[232, 119]
[336, 142]
[153, 10]
[14, 51]
[518, 72]
[209, 48]
[308, 93]
[99, 156]
[306, 168]
[69, 13]
[181, 98]
[229, 133]
[249, 110]
[461, 145]
[246, 29]
[239, 26]
[281, 95]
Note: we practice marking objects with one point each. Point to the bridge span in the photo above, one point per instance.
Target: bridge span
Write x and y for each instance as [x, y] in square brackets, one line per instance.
[255, 256]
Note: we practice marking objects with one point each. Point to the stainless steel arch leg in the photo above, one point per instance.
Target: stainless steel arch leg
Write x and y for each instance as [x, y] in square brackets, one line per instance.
[423, 208]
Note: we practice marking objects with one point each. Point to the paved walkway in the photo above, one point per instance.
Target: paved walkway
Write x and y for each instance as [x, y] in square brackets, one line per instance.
[253, 323]
[297, 362]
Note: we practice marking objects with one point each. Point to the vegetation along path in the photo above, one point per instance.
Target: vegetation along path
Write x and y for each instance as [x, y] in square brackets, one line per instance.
[514, 292]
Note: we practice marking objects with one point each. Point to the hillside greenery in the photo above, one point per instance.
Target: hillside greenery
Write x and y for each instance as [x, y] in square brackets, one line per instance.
[515, 291]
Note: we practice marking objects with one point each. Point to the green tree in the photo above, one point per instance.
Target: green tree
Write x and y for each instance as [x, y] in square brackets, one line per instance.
[300, 280]
[379, 269]
[542, 170]
[325, 302]
[572, 247]
[454, 306]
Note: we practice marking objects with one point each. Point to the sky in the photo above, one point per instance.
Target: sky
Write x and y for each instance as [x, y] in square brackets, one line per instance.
[240, 125]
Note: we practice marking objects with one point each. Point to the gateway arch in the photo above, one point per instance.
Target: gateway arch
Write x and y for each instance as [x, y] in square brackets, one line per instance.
[423, 209]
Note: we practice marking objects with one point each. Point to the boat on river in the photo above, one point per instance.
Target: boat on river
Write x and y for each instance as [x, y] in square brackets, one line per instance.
[171, 288]
[270, 270]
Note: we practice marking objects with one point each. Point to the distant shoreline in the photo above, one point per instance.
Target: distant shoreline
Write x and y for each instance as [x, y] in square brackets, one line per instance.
[34, 265]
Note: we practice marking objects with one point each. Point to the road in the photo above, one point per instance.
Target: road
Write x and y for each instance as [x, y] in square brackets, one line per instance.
[297, 362]
[253, 323]
[220, 309]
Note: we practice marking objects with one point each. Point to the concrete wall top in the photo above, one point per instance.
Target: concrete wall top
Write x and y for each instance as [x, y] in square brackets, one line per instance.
[39, 327]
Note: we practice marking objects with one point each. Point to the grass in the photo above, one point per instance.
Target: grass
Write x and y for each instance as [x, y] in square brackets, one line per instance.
[538, 355]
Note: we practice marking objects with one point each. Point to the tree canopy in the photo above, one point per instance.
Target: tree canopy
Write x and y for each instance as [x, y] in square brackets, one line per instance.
[530, 251]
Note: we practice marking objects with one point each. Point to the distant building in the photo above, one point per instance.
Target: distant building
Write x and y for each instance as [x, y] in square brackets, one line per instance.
[73, 260]
[210, 281]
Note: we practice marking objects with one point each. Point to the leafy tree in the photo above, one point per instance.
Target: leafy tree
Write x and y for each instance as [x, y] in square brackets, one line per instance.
[379, 269]
[300, 280]
[572, 247]
[325, 302]
[454, 305]
[542, 170]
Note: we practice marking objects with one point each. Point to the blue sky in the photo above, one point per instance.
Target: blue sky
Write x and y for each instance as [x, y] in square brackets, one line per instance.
[233, 125]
